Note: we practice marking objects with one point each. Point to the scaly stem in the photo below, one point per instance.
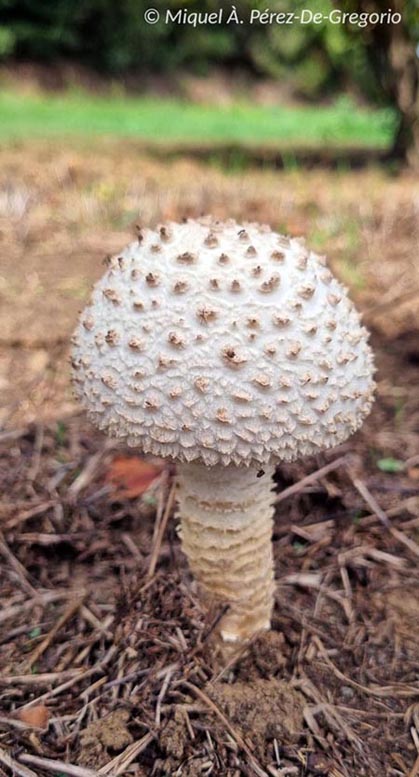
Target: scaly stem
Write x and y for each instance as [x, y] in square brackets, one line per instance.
[226, 530]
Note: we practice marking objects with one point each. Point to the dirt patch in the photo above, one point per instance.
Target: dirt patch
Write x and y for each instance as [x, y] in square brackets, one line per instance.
[262, 710]
[100, 738]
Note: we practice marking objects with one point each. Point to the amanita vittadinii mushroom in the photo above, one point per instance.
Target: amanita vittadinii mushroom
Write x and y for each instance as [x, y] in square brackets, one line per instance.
[227, 348]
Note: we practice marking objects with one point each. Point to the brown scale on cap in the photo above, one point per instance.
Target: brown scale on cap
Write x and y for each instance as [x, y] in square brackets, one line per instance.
[155, 248]
[138, 305]
[214, 284]
[354, 339]
[262, 380]
[257, 271]
[165, 234]
[135, 275]
[278, 256]
[139, 232]
[306, 420]
[202, 384]
[326, 277]
[310, 329]
[112, 296]
[136, 344]
[231, 356]
[334, 299]
[180, 287]
[251, 251]
[175, 393]
[270, 350]
[243, 236]
[151, 404]
[175, 339]
[242, 396]
[88, 323]
[211, 241]
[253, 323]
[296, 304]
[163, 362]
[235, 286]
[270, 285]
[305, 378]
[325, 364]
[223, 259]
[294, 349]
[111, 337]
[223, 416]
[152, 279]
[281, 321]
[306, 291]
[345, 358]
[205, 315]
[109, 381]
[302, 260]
[186, 258]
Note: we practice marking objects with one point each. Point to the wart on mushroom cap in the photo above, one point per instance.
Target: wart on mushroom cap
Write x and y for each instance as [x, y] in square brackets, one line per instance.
[250, 352]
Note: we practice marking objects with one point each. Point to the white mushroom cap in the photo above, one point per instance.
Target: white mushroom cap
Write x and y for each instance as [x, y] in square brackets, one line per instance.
[224, 343]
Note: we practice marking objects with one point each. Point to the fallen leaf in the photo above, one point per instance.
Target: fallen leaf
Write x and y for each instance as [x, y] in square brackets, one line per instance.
[35, 717]
[131, 476]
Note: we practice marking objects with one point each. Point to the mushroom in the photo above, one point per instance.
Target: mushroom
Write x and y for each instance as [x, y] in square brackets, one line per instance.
[225, 398]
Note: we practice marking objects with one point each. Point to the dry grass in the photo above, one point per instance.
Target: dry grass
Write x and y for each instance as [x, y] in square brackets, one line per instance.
[108, 664]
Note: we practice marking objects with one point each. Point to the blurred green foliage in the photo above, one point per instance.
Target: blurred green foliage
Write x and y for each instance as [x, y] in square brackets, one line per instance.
[314, 59]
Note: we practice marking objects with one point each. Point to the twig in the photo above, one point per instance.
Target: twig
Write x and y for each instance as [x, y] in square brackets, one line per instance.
[160, 532]
[39, 679]
[36, 456]
[86, 475]
[120, 762]
[16, 768]
[72, 608]
[383, 517]
[99, 667]
[397, 689]
[28, 514]
[18, 568]
[162, 694]
[38, 600]
[306, 481]
[56, 766]
[414, 772]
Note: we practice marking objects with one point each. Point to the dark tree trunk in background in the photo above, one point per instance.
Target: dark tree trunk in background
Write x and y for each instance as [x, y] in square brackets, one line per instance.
[404, 63]
[392, 56]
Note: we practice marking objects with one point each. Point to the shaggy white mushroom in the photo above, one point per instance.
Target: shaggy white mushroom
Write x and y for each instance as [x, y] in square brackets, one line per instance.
[227, 348]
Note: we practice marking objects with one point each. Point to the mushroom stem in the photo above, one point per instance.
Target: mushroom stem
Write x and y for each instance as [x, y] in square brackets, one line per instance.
[226, 518]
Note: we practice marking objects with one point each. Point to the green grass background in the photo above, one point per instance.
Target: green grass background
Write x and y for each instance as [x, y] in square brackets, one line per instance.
[173, 121]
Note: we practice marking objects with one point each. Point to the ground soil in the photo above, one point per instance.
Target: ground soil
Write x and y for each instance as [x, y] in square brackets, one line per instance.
[113, 653]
